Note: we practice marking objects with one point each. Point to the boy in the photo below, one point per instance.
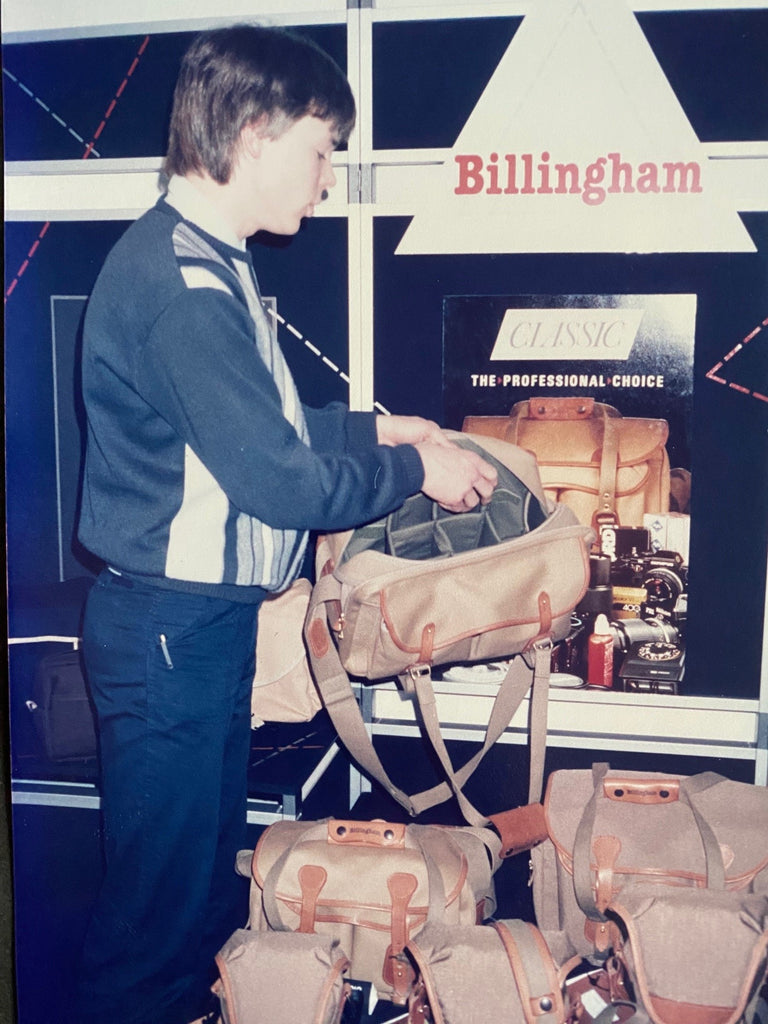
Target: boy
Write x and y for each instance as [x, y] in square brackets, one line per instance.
[203, 474]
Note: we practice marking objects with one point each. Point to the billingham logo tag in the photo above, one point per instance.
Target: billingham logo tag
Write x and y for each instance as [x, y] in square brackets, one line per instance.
[578, 143]
[557, 334]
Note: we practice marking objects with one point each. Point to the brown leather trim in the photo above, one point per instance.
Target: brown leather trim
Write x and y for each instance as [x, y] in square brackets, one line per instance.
[601, 934]
[396, 970]
[390, 835]
[312, 878]
[545, 614]
[531, 1007]
[606, 850]
[337, 969]
[520, 828]
[561, 408]
[669, 1011]
[317, 638]
[427, 643]
[641, 791]
[518, 971]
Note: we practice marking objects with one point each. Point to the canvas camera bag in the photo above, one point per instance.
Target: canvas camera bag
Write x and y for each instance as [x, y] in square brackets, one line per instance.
[425, 587]
[283, 689]
[692, 955]
[608, 468]
[499, 972]
[371, 885]
[612, 834]
[265, 977]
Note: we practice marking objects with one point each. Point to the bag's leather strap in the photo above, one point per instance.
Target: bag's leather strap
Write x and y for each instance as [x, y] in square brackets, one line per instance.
[343, 709]
[582, 846]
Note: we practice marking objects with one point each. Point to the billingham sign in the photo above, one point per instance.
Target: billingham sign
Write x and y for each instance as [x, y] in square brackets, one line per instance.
[603, 177]
[577, 144]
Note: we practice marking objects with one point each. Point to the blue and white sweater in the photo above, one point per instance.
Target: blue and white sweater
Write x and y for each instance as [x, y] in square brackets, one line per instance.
[203, 470]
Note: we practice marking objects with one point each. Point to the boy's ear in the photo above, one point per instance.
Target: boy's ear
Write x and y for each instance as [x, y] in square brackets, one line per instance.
[252, 139]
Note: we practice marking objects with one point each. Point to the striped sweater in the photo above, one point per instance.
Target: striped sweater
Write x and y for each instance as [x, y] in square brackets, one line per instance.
[203, 470]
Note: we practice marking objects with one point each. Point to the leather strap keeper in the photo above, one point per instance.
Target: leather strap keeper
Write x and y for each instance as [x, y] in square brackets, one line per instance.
[520, 829]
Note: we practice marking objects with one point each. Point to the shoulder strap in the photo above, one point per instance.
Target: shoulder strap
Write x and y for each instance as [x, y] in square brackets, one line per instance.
[343, 709]
[534, 971]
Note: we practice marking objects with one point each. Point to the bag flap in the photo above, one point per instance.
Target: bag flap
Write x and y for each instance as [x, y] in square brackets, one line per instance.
[498, 972]
[696, 955]
[465, 974]
[656, 833]
[258, 974]
[579, 443]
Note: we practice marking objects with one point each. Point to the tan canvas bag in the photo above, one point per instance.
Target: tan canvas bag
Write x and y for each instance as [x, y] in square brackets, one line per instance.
[371, 885]
[693, 956]
[266, 978]
[425, 587]
[608, 468]
[612, 834]
[283, 688]
[499, 972]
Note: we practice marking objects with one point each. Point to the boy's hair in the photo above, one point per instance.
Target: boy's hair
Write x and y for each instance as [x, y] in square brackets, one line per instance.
[243, 74]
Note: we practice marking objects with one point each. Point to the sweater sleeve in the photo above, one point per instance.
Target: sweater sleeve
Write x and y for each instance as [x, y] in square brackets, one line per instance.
[335, 429]
[201, 371]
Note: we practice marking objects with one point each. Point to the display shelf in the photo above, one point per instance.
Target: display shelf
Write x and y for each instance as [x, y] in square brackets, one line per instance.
[601, 720]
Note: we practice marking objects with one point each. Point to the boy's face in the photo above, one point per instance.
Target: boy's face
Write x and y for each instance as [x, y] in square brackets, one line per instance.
[291, 174]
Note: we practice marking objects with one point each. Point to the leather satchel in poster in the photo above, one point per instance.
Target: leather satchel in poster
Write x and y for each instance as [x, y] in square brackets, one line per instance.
[599, 388]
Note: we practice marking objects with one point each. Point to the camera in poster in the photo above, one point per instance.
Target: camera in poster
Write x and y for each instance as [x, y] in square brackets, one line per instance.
[600, 388]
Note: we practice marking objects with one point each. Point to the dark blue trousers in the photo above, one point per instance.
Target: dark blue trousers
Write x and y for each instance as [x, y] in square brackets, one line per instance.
[170, 675]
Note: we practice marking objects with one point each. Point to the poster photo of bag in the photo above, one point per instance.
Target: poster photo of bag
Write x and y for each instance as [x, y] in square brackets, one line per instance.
[600, 389]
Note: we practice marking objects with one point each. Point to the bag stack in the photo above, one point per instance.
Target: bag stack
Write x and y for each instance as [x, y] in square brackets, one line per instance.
[650, 891]
[666, 876]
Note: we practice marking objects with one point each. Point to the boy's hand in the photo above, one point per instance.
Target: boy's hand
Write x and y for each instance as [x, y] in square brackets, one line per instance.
[392, 430]
[455, 478]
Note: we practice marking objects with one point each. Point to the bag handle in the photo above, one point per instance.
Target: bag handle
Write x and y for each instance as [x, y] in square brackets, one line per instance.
[582, 846]
[344, 711]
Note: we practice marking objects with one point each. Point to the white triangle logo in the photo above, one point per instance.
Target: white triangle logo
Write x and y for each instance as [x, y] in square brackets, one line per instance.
[577, 144]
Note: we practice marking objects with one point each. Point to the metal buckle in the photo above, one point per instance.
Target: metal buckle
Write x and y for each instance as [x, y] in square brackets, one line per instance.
[541, 643]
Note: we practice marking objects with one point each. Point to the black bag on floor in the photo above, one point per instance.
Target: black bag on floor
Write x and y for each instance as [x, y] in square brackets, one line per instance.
[61, 709]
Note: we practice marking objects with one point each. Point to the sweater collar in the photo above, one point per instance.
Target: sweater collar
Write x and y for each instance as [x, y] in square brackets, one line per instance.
[193, 206]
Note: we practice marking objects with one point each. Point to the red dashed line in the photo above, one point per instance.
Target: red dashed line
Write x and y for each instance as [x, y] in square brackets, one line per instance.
[713, 373]
[88, 150]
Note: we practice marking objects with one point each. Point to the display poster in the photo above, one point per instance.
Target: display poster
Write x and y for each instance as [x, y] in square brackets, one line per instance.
[600, 388]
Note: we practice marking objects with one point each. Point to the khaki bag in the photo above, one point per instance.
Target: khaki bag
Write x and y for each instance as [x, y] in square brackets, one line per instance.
[693, 956]
[608, 468]
[424, 587]
[283, 688]
[612, 834]
[469, 975]
[268, 977]
[370, 884]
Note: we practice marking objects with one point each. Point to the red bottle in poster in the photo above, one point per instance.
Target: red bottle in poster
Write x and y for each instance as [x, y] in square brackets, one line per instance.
[600, 654]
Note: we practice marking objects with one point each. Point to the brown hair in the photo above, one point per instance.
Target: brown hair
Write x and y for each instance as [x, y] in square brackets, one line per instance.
[244, 74]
